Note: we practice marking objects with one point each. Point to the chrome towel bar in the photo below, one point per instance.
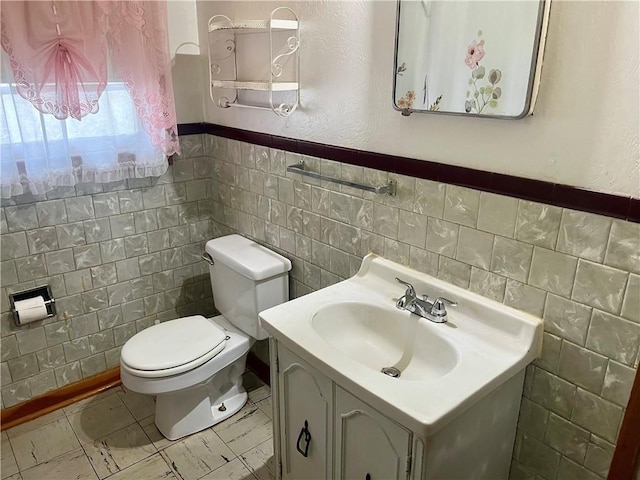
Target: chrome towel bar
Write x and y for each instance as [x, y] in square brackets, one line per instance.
[388, 189]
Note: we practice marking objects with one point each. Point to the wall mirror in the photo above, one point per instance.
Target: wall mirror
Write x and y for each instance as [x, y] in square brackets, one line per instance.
[475, 58]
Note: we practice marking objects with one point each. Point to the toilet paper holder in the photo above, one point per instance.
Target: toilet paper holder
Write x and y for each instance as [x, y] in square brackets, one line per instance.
[43, 291]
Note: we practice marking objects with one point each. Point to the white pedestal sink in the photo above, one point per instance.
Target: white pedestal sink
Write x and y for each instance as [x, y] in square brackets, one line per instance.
[460, 382]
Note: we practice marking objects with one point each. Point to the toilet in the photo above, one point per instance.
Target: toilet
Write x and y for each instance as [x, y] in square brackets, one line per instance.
[194, 365]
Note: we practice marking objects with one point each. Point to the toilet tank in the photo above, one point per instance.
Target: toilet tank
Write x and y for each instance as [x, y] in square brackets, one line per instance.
[246, 278]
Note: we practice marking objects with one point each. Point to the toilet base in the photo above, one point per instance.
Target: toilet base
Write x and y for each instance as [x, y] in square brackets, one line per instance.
[184, 412]
[190, 401]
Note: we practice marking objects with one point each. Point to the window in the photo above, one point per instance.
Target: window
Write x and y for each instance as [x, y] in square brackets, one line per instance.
[40, 152]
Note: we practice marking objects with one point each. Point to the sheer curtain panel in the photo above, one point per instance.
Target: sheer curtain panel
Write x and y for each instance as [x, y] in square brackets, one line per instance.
[63, 118]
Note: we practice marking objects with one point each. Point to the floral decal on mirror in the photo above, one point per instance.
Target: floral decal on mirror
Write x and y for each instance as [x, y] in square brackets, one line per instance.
[407, 100]
[480, 97]
[410, 96]
[435, 106]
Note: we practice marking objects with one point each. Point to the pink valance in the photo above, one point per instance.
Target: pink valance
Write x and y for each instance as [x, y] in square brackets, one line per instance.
[57, 59]
[58, 55]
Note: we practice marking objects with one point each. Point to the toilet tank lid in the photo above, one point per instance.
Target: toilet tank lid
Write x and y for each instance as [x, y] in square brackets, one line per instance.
[247, 257]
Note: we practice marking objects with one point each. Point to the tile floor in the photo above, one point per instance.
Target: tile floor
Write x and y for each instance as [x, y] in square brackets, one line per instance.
[113, 435]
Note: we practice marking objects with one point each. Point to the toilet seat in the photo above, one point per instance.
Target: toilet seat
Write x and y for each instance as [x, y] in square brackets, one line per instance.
[173, 347]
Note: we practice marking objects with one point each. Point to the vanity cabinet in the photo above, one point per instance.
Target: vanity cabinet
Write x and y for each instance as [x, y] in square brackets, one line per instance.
[325, 432]
[368, 446]
[450, 414]
[304, 402]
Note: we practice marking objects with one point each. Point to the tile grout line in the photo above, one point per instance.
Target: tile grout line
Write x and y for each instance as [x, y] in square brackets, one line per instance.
[89, 460]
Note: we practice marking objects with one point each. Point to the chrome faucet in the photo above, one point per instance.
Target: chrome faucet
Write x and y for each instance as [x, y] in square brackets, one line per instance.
[434, 311]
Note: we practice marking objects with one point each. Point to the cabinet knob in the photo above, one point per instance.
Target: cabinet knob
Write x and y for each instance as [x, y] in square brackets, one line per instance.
[367, 476]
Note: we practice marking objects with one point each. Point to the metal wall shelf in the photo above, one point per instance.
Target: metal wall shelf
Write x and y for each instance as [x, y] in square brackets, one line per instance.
[260, 86]
[255, 26]
[223, 72]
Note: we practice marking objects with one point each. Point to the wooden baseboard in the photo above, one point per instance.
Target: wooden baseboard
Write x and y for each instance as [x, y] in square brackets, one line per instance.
[55, 399]
[625, 464]
[259, 368]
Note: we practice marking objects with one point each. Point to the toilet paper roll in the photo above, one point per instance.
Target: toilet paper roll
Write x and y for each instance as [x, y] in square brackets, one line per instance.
[31, 310]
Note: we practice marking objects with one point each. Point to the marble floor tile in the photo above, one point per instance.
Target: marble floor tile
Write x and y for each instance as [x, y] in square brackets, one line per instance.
[113, 436]
[140, 406]
[8, 465]
[197, 455]
[246, 429]
[159, 441]
[152, 468]
[119, 450]
[73, 465]
[35, 423]
[91, 401]
[260, 461]
[266, 406]
[98, 420]
[259, 393]
[234, 470]
[43, 443]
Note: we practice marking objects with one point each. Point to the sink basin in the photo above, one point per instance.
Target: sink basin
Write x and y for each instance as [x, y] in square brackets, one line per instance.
[380, 337]
[350, 331]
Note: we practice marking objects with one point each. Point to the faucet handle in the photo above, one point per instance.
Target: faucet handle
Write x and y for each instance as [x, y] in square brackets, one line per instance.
[410, 290]
[438, 307]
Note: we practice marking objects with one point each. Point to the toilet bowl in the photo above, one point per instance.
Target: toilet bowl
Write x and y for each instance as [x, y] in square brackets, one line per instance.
[194, 365]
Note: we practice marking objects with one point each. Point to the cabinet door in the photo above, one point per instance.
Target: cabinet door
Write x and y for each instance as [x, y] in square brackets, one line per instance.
[305, 418]
[368, 446]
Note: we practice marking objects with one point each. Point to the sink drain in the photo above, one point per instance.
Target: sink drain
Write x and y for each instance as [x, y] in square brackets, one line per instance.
[391, 371]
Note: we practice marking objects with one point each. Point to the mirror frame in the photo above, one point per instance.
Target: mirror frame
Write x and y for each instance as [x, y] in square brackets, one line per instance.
[535, 70]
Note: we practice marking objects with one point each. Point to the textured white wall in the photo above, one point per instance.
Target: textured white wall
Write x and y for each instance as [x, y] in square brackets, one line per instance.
[584, 131]
[187, 68]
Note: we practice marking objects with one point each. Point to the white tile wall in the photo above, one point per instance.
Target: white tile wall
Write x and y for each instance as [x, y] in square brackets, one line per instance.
[577, 270]
[121, 256]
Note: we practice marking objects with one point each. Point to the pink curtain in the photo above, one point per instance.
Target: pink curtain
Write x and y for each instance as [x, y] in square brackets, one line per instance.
[58, 61]
[58, 56]
[137, 34]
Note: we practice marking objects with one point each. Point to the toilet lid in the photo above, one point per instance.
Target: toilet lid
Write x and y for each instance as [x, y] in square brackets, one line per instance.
[173, 343]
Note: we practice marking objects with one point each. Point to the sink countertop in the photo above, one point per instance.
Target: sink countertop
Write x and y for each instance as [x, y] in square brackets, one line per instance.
[492, 342]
